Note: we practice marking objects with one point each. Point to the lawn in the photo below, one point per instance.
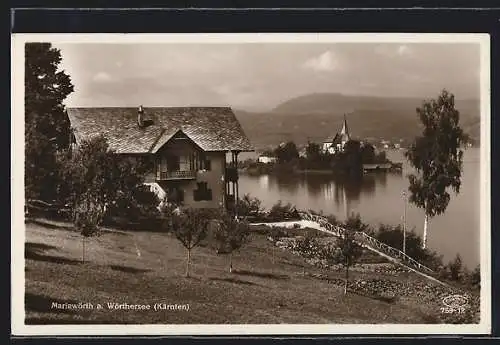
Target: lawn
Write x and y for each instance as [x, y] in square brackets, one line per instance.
[146, 268]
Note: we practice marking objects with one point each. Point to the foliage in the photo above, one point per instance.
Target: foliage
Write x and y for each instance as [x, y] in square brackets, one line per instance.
[46, 123]
[94, 174]
[230, 235]
[350, 161]
[88, 214]
[287, 152]
[332, 254]
[307, 246]
[381, 157]
[190, 227]
[355, 224]
[280, 211]
[456, 268]
[436, 156]
[393, 236]
[368, 154]
[249, 206]
[474, 277]
[351, 251]
[313, 151]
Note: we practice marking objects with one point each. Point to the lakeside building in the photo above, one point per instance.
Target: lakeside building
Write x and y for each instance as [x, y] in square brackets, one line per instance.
[185, 147]
[266, 159]
[336, 143]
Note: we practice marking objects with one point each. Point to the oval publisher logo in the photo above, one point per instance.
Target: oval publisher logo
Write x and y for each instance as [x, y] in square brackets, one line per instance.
[455, 303]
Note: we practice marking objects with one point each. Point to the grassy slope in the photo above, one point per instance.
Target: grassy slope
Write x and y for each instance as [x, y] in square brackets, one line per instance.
[269, 286]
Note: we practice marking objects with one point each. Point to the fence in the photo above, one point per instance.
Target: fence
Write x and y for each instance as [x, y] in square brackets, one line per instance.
[366, 240]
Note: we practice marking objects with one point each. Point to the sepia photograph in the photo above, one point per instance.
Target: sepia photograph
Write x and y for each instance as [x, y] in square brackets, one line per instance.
[251, 184]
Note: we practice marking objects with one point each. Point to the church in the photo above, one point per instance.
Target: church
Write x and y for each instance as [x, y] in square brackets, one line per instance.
[336, 143]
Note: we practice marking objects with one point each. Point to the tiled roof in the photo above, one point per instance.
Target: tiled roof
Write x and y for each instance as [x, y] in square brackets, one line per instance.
[211, 128]
[334, 140]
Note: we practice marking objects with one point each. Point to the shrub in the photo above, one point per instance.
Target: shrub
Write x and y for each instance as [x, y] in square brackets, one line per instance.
[393, 236]
[474, 278]
[307, 246]
[249, 206]
[456, 269]
[332, 254]
[277, 232]
[354, 223]
[280, 211]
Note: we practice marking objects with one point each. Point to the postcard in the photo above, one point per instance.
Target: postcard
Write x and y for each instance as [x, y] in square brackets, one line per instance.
[235, 184]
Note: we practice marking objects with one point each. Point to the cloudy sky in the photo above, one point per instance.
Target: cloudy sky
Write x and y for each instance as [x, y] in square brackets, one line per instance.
[259, 76]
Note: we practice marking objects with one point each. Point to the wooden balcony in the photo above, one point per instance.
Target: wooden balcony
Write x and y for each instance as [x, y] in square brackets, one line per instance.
[176, 175]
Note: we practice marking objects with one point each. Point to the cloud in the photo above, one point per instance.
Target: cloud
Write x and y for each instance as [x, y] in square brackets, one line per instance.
[102, 77]
[324, 62]
[392, 50]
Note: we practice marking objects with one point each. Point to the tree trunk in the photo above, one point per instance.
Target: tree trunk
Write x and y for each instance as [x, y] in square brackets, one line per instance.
[346, 277]
[231, 262]
[187, 262]
[426, 225]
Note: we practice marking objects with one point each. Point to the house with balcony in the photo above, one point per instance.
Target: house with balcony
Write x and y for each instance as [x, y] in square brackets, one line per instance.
[185, 147]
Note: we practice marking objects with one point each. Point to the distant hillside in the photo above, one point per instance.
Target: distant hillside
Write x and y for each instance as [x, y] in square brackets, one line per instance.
[317, 116]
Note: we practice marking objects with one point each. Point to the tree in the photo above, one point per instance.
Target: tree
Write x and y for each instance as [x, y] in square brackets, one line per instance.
[230, 235]
[313, 152]
[95, 178]
[286, 152]
[436, 157]
[351, 159]
[456, 268]
[47, 127]
[350, 250]
[368, 154]
[88, 213]
[190, 227]
[308, 247]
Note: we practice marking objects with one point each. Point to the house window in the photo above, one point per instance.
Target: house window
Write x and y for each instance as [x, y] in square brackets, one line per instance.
[208, 164]
[205, 163]
[202, 192]
[184, 163]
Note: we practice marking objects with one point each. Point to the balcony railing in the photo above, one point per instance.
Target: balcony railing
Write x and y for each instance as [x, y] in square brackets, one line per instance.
[176, 175]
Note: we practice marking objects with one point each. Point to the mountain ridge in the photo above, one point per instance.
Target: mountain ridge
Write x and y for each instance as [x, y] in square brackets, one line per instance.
[319, 115]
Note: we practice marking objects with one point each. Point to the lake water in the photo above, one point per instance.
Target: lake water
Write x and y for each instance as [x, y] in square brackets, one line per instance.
[378, 199]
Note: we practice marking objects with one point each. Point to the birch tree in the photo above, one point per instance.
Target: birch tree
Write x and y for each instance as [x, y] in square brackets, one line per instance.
[436, 156]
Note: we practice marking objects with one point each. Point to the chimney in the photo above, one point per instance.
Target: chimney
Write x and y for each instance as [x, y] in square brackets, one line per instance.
[140, 117]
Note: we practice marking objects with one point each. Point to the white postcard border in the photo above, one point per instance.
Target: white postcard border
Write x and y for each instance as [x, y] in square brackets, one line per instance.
[17, 188]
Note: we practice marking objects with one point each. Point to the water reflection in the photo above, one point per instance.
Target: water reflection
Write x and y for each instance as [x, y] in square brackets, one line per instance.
[325, 187]
[264, 181]
[377, 198]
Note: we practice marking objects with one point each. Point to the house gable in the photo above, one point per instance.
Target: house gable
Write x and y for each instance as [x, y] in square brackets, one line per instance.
[168, 137]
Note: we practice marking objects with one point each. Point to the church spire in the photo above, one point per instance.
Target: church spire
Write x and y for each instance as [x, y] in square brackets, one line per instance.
[345, 131]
